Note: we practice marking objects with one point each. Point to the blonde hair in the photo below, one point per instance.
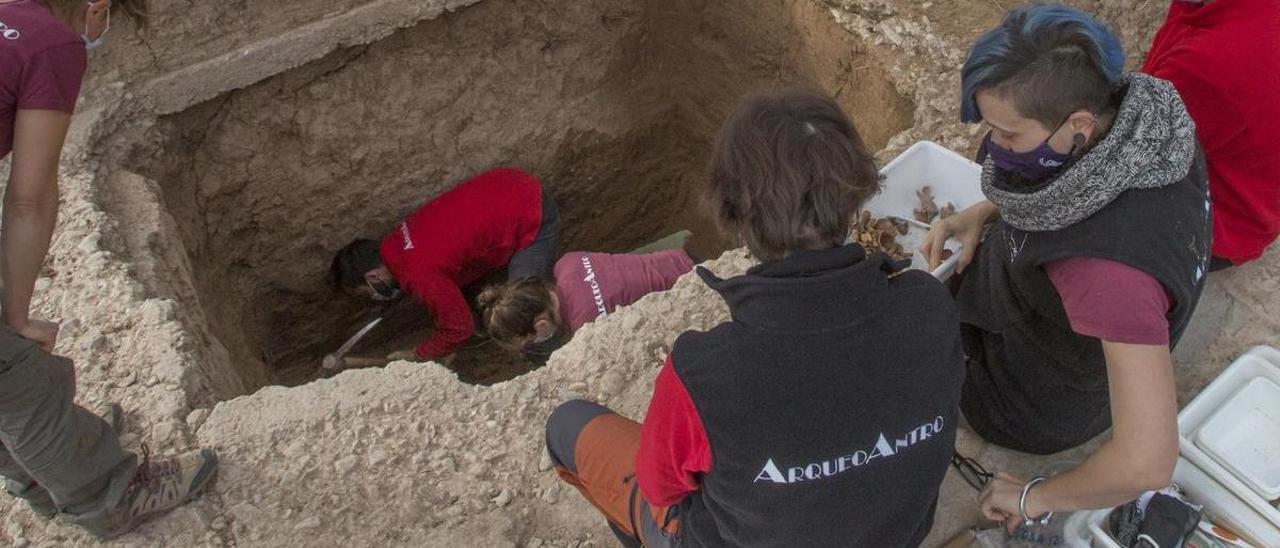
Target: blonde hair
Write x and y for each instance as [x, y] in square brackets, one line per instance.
[509, 311]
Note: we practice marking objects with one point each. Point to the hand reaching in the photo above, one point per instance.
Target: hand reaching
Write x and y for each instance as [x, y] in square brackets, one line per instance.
[42, 332]
[965, 226]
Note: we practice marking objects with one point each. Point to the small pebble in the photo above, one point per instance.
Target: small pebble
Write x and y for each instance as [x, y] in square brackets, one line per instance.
[345, 465]
[312, 522]
[503, 498]
[196, 418]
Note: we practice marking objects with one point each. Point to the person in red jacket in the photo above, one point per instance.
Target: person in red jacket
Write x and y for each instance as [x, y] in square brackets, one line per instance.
[500, 218]
[1222, 57]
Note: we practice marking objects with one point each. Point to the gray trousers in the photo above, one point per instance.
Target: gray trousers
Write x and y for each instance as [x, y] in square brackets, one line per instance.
[51, 448]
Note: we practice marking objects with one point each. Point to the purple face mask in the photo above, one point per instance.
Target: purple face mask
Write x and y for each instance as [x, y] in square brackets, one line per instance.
[1035, 165]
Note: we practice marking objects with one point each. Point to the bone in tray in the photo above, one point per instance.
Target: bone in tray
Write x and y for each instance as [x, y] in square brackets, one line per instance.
[899, 238]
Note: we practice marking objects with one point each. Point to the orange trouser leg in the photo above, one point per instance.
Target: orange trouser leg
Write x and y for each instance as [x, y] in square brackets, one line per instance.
[604, 460]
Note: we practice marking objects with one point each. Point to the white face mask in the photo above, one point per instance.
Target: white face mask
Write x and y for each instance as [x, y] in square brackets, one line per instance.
[384, 292]
[539, 339]
[102, 39]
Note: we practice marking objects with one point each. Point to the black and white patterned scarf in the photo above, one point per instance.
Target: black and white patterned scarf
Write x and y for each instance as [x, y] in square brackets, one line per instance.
[1152, 143]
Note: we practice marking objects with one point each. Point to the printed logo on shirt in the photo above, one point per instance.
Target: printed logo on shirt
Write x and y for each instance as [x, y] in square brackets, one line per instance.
[404, 233]
[844, 463]
[1015, 247]
[9, 33]
[595, 287]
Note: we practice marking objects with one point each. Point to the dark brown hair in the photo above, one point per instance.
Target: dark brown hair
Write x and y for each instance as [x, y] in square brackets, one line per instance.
[787, 172]
[1050, 59]
[508, 311]
[137, 10]
[350, 264]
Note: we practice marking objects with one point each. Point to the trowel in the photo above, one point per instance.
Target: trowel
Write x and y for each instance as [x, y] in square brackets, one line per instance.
[339, 360]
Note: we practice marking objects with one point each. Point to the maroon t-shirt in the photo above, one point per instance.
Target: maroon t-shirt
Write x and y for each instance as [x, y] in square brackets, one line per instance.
[1111, 301]
[591, 285]
[42, 63]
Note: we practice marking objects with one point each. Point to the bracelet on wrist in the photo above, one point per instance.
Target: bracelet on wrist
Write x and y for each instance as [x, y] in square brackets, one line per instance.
[1022, 505]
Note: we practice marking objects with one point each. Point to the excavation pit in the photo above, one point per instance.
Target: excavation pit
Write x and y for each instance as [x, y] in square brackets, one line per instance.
[614, 104]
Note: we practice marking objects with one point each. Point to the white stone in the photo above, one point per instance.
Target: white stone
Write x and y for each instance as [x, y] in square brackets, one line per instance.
[345, 465]
[312, 522]
[503, 498]
[196, 418]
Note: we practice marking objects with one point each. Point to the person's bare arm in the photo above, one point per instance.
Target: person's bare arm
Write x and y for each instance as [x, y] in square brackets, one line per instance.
[1139, 457]
[29, 215]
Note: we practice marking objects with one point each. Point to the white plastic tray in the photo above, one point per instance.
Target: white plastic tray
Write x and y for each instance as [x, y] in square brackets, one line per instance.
[1244, 436]
[1076, 533]
[953, 179]
[1221, 506]
[1261, 361]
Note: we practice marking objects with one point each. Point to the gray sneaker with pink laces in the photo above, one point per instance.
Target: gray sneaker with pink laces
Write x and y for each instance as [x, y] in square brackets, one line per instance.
[160, 486]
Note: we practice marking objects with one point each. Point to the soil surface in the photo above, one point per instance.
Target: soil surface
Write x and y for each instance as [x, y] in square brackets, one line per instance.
[219, 159]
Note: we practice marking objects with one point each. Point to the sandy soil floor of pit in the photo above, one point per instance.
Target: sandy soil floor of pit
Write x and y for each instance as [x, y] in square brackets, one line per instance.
[408, 455]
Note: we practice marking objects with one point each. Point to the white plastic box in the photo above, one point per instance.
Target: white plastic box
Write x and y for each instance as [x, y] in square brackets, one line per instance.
[1244, 436]
[1261, 361]
[1221, 506]
[953, 178]
[1227, 500]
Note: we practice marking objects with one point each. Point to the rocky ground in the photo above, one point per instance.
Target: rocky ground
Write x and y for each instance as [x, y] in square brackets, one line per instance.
[408, 455]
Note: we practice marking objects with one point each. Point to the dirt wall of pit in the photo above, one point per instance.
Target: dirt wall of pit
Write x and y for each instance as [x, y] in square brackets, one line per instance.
[614, 104]
[408, 455]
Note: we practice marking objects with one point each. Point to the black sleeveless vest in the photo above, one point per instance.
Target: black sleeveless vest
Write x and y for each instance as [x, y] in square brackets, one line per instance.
[830, 402]
[1033, 384]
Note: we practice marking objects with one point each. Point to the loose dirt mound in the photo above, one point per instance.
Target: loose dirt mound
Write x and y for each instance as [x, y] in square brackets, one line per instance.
[403, 455]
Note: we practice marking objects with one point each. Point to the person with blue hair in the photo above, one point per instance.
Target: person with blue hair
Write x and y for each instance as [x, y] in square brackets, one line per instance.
[1083, 266]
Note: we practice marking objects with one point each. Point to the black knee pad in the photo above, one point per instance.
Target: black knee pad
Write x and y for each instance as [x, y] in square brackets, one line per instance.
[565, 424]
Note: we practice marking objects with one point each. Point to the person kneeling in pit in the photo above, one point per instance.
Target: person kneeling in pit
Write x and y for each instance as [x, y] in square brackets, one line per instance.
[1097, 244]
[536, 317]
[500, 218]
[824, 413]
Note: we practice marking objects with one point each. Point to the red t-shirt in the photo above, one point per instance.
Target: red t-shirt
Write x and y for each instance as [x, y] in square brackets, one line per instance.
[1224, 59]
[1102, 298]
[458, 238]
[42, 63]
[591, 285]
[674, 452]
